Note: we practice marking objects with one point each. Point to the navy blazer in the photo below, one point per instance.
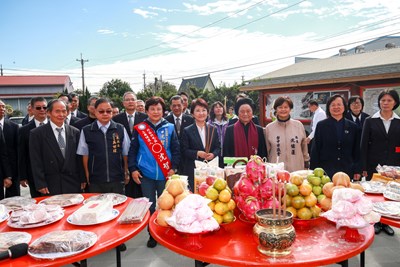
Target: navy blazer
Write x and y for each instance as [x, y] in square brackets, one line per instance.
[363, 116]
[10, 132]
[187, 120]
[123, 119]
[379, 147]
[191, 144]
[24, 162]
[333, 155]
[50, 169]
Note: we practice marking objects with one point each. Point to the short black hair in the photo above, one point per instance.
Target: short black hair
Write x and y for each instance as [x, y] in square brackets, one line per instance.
[354, 99]
[101, 101]
[393, 93]
[37, 99]
[153, 101]
[333, 98]
[313, 102]
[72, 94]
[176, 97]
[68, 96]
[198, 102]
[243, 101]
[183, 93]
[282, 99]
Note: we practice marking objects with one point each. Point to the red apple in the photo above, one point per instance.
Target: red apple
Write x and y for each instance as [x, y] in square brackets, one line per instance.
[210, 180]
[203, 188]
[283, 176]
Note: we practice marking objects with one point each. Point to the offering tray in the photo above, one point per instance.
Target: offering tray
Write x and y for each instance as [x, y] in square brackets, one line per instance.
[388, 209]
[17, 202]
[60, 244]
[103, 219]
[64, 200]
[116, 199]
[8, 239]
[373, 187]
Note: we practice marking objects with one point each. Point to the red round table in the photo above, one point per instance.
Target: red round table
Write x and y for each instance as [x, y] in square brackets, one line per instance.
[110, 235]
[233, 245]
[381, 198]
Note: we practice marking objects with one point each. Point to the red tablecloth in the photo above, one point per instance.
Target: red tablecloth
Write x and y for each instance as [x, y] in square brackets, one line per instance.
[233, 245]
[110, 234]
[388, 221]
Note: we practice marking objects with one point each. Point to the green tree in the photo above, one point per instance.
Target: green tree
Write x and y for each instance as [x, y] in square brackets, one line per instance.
[163, 89]
[114, 90]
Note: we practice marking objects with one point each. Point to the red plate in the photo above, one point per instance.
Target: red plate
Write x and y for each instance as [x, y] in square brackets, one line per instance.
[307, 224]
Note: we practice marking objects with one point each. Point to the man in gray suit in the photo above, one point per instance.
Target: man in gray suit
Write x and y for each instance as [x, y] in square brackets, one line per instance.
[56, 167]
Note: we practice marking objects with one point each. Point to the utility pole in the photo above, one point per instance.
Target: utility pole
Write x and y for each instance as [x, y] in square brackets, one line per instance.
[1, 68]
[144, 80]
[83, 72]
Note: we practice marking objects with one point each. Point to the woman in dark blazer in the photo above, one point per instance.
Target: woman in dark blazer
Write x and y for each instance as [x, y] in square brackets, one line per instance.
[380, 140]
[336, 145]
[355, 110]
[199, 140]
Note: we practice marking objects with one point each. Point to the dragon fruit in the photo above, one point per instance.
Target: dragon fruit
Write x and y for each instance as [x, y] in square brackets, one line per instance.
[255, 169]
[253, 191]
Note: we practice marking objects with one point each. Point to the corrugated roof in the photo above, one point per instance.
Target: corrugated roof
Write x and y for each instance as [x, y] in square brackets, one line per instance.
[34, 80]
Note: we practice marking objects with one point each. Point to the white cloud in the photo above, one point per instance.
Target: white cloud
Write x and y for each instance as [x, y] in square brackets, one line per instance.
[145, 14]
[105, 31]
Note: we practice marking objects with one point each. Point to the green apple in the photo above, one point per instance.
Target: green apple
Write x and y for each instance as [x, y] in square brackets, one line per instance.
[325, 179]
[317, 190]
[319, 172]
[315, 180]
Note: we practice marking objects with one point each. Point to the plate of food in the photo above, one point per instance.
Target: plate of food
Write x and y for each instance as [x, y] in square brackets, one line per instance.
[61, 244]
[8, 239]
[102, 219]
[64, 200]
[373, 187]
[4, 214]
[35, 215]
[388, 209]
[17, 202]
[116, 199]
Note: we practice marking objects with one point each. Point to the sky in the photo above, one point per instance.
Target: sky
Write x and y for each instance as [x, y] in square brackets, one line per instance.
[137, 40]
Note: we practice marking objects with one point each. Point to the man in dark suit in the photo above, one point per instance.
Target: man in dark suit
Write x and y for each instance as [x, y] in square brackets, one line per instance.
[29, 115]
[69, 119]
[39, 106]
[74, 107]
[56, 167]
[5, 170]
[10, 132]
[129, 119]
[91, 117]
[176, 117]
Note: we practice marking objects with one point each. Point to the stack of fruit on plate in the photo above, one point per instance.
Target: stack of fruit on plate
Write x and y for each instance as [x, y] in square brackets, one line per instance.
[303, 193]
[339, 180]
[220, 196]
[254, 190]
[175, 191]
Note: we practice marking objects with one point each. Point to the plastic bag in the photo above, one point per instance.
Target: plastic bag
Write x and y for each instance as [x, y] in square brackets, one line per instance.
[205, 169]
[135, 211]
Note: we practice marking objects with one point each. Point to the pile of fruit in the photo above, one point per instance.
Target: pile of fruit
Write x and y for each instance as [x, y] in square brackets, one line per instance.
[339, 180]
[303, 194]
[175, 191]
[222, 204]
[253, 191]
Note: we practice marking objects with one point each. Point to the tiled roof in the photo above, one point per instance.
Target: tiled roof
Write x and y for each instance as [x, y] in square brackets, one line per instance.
[198, 82]
[385, 61]
[33, 80]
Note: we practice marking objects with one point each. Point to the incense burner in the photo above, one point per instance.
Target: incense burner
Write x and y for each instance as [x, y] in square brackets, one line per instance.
[274, 234]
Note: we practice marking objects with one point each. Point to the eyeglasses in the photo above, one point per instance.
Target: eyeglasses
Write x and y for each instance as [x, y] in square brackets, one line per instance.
[129, 99]
[105, 111]
[39, 108]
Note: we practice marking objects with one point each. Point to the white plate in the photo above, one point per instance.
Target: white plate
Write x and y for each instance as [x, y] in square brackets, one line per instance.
[33, 225]
[391, 196]
[4, 217]
[388, 209]
[55, 255]
[373, 187]
[8, 239]
[112, 216]
[117, 199]
[64, 200]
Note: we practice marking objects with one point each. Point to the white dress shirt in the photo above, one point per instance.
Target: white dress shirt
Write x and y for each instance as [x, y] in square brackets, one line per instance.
[319, 115]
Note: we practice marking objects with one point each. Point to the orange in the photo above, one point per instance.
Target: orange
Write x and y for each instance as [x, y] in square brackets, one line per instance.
[298, 202]
[304, 213]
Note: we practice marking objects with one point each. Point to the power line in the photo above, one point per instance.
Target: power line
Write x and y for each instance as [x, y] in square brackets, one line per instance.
[83, 72]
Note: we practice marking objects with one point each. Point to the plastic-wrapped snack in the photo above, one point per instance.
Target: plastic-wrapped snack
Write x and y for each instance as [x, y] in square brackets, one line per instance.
[389, 171]
[135, 211]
